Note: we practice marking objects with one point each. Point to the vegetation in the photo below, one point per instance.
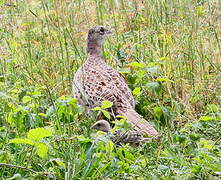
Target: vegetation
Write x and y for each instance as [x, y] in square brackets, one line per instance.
[168, 51]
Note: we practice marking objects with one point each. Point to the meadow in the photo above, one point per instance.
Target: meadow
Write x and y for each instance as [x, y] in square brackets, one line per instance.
[169, 52]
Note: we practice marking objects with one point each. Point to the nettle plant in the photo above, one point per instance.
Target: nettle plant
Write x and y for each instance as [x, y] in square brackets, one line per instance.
[35, 139]
[149, 89]
[103, 108]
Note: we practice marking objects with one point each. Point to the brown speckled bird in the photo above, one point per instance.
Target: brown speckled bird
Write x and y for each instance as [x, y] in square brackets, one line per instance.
[133, 138]
[95, 81]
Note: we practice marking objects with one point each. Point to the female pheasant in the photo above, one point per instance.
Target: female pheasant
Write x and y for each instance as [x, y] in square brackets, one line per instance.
[95, 82]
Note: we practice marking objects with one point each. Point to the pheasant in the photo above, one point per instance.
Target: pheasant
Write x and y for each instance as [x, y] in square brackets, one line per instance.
[133, 138]
[95, 81]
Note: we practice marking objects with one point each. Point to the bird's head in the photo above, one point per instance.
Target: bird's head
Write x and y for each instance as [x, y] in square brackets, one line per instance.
[98, 34]
[102, 125]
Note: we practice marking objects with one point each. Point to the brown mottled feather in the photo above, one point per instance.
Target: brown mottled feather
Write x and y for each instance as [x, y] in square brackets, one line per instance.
[129, 137]
[96, 81]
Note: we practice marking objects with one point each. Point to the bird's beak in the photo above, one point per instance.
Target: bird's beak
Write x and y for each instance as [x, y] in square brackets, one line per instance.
[93, 126]
[107, 32]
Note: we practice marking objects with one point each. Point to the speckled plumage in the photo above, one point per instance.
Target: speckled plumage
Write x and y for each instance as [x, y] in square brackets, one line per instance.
[133, 138]
[96, 81]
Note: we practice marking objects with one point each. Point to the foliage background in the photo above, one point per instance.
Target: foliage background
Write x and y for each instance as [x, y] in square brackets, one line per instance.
[170, 55]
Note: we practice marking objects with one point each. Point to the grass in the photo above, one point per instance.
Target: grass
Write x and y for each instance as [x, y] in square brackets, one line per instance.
[169, 53]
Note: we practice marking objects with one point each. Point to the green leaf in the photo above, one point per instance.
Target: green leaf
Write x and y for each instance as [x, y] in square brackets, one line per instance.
[164, 80]
[196, 169]
[139, 46]
[154, 86]
[96, 109]
[158, 112]
[21, 141]
[109, 147]
[128, 155]
[72, 101]
[106, 114]
[137, 64]
[2, 2]
[207, 144]
[123, 123]
[206, 118]
[42, 149]
[137, 91]
[26, 99]
[39, 133]
[106, 104]
[200, 10]
[42, 114]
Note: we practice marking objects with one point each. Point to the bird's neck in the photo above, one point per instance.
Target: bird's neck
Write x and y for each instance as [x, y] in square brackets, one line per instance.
[93, 48]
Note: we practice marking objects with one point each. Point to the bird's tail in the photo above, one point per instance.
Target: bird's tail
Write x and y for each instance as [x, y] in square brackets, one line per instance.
[138, 122]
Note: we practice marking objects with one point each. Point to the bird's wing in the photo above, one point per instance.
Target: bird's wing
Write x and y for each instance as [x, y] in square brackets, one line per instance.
[97, 83]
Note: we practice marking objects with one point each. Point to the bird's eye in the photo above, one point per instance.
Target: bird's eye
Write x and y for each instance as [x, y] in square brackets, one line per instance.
[91, 31]
[102, 29]
[98, 124]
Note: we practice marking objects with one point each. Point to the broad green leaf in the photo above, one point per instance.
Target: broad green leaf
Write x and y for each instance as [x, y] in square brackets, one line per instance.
[36, 93]
[72, 101]
[158, 112]
[26, 99]
[106, 114]
[123, 123]
[200, 10]
[42, 114]
[42, 149]
[106, 104]
[194, 137]
[22, 141]
[196, 169]
[164, 80]
[137, 64]
[207, 144]
[39, 133]
[63, 97]
[137, 91]
[206, 118]
[2, 2]
[154, 86]
[109, 147]
[96, 109]
[139, 46]
[129, 156]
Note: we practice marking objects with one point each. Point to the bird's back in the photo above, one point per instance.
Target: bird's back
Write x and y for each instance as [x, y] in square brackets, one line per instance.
[95, 81]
